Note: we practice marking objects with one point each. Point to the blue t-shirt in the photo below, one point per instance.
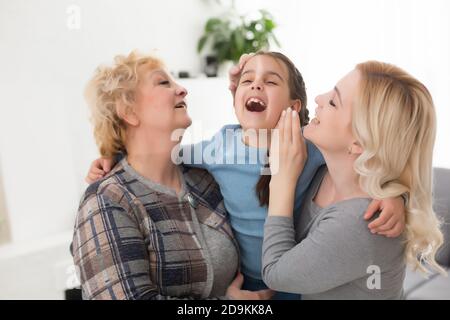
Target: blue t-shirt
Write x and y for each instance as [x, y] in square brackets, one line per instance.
[237, 168]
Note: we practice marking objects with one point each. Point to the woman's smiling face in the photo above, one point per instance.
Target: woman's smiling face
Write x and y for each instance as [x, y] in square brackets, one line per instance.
[262, 93]
[160, 102]
[331, 129]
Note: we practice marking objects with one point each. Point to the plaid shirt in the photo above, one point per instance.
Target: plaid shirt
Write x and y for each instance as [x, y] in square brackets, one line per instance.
[134, 242]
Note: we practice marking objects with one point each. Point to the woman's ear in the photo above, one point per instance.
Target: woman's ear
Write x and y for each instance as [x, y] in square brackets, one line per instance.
[356, 148]
[297, 105]
[127, 114]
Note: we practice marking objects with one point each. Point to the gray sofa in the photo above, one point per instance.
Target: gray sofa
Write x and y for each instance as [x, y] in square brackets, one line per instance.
[436, 286]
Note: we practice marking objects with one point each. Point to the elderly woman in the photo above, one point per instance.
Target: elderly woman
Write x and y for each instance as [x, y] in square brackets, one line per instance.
[376, 131]
[150, 229]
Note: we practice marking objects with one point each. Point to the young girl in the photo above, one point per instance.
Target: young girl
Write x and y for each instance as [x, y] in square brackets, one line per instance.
[237, 155]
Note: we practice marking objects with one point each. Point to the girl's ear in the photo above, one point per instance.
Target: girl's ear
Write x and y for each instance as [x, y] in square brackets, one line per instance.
[297, 105]
[127, 114]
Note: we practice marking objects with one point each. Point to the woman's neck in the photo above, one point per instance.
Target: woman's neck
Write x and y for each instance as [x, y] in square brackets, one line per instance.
[152, 158]
[342, 180]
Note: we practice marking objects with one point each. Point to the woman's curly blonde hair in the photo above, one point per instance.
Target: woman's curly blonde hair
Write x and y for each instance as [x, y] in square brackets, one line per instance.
[114, 87]
[395, 122]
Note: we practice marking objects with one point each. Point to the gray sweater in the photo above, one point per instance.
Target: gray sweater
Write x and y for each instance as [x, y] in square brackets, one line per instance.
[331, 253]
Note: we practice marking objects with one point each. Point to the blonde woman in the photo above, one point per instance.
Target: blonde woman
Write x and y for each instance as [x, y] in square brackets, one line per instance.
[376, 131]
[150, 229]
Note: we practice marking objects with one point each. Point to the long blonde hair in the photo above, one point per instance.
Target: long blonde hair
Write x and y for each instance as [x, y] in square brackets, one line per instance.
[395, 122]
[112, 87]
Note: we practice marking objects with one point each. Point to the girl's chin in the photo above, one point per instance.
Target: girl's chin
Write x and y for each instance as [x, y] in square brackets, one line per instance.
[254, 123]
[254, 126]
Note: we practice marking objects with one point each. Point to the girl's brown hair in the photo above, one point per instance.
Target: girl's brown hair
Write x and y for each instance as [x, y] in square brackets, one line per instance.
[297, 92]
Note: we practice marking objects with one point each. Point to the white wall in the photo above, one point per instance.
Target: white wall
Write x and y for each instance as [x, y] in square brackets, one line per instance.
[37, 270]
[326, 38]
[4, 221]
[45, 138]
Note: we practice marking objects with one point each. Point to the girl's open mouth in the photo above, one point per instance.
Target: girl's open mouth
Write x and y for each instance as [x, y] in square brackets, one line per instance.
[255, 105]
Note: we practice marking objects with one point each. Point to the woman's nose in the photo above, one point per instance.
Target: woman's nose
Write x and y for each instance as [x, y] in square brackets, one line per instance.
[181, 91]
[316, 100]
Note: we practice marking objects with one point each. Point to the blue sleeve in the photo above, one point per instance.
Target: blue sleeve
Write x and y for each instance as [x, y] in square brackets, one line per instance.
[192, 155]
[207, 153]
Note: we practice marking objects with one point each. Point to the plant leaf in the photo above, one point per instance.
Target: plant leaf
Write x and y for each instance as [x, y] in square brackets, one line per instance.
[227, 35]
[239, 38]
[212, 24]
[201, 43]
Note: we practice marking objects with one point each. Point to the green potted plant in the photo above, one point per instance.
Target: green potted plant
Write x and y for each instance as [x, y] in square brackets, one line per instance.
[232, 35]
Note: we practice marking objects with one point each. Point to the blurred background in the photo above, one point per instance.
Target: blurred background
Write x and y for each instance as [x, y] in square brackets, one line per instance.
[50, 48]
